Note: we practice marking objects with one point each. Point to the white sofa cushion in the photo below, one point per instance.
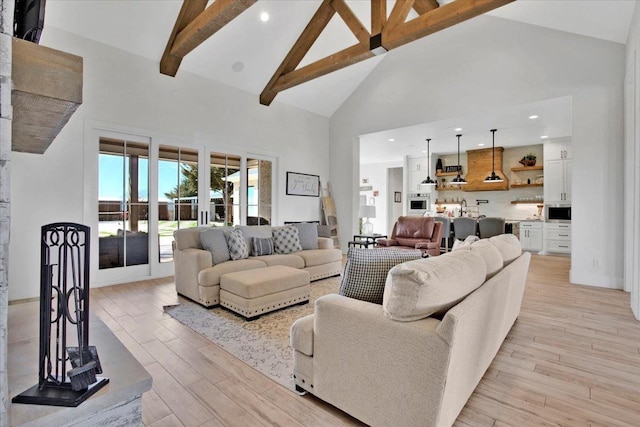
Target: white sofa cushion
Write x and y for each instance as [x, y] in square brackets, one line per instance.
[508, 245]
[417, 289]
[490, 254]
[211, 276]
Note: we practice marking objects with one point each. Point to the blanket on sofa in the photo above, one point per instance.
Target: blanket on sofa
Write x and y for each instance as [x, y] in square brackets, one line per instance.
[263, 343]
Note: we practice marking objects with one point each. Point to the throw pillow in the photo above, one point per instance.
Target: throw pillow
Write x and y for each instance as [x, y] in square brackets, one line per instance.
[214, 241]
[417, 289]
[286, 239]
[308, 234]
[251, 231]
[237, 245]
[366, 271]
[261, 246]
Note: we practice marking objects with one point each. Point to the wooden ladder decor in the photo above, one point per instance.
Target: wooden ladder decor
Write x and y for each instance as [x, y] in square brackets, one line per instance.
[330, 216]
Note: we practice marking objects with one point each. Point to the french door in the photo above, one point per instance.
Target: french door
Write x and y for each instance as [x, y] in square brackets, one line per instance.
[148, 187]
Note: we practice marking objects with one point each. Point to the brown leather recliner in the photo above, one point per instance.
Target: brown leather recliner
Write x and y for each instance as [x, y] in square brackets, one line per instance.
[415, 232]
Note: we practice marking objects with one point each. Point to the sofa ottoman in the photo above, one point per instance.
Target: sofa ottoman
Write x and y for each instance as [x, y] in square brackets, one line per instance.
[252, 293]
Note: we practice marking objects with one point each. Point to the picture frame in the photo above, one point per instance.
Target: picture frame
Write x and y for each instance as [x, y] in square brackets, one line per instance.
[454, 168]
[303, 184]
[397, 197]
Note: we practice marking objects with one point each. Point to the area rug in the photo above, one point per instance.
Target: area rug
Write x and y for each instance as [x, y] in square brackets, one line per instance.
[262, 343]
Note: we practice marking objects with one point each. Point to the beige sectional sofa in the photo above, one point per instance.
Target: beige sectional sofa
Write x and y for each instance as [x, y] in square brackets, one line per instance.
[198, 279]
[421, 368]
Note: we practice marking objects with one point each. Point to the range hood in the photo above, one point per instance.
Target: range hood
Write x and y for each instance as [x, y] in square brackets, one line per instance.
[479, 164]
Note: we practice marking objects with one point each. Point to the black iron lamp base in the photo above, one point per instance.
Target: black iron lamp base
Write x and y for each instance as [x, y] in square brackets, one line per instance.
[58, 395]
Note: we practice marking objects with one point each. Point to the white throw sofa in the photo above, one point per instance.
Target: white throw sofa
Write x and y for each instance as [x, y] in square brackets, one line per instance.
[199, 280]
[387, 372]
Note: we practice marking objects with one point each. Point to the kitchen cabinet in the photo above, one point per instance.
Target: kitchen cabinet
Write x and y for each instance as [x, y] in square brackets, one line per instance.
[417, 172]
[557, 238]
[531, 237]
[557, 150]
[557, 181]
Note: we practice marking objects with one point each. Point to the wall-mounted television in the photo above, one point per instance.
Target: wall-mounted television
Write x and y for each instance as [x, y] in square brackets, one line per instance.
[28, 19]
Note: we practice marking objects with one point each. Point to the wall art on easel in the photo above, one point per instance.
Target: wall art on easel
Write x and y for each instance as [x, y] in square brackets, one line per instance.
[302, 184]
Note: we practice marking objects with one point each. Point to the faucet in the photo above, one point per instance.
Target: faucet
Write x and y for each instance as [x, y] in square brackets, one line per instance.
[462, 202]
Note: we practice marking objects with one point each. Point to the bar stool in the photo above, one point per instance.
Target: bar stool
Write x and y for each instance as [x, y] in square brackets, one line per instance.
[446, 232]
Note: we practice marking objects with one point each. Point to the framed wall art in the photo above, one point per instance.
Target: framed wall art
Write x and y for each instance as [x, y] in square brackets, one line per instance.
[302, 184]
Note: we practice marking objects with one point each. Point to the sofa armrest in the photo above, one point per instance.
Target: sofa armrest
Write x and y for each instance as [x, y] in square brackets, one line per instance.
[386, 242]
[325, 243]
[301, 336]
[187, 264]
[427, 245]
[362, 358]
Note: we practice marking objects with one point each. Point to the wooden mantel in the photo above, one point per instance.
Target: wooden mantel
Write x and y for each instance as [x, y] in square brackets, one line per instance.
[47, 90]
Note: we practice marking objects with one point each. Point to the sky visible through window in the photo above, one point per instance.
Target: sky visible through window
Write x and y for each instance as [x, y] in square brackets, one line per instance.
[111, 181]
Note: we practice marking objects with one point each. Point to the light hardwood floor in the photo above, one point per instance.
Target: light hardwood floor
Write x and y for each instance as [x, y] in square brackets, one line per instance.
[571, 359]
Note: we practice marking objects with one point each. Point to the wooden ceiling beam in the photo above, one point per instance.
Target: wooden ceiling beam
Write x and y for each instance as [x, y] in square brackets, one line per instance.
[199, 28]
[337, 61]
[169, 64]
[397, 16]
[395, 32]
[310, 34]
[438, 19]
[378, 16]
[352, 21]
[424, 6]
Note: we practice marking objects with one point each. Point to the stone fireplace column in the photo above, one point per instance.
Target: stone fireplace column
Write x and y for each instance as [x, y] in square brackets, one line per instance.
[6, 32]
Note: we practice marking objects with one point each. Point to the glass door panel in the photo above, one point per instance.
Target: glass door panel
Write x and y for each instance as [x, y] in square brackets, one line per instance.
[178, 182]
[259, 195]
[224, 189]
[123, 203]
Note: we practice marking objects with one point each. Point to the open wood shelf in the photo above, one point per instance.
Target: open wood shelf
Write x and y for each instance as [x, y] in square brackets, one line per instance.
[449, 188]
[527, 168]
[446, 173]
[530, 202]
[526, 185]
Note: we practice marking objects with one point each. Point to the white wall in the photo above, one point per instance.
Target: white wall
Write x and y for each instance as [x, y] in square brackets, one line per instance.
[489, 63]
[376, 174]
[128, 90]
[632, 159]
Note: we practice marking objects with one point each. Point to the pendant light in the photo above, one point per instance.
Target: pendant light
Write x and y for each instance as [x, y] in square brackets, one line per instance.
[493, 177]
[458, 180]
[428, 181]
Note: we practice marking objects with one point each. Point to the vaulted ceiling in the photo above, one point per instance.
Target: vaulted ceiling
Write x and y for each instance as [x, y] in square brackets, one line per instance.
[246, 52]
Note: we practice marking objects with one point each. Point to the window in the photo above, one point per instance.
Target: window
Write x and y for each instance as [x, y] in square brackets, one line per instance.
[259, 179]
[224, 189]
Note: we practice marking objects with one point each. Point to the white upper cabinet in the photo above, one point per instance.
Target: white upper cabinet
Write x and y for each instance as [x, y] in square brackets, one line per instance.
[417, 173]
[557, 172]
[554, 150]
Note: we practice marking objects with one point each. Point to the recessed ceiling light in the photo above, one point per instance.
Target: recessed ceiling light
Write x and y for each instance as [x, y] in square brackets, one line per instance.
[533, 117]
[480, 145]
[237, 66]
[458, 129]
[391, 139]
[264, 16]
[544, 137]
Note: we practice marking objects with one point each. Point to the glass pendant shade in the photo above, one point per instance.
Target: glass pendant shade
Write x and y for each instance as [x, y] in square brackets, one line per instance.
[458, 180]
[428, 181]
[493, 177]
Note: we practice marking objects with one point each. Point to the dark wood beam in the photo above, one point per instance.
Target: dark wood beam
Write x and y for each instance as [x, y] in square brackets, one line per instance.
[378, 16]
[201, 27]
[424, 6]
[310, 34]
[169, 64]
[351, 20]
[438, 19]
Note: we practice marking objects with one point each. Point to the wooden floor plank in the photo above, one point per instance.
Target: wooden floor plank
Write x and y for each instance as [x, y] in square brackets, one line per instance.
[572, 358]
